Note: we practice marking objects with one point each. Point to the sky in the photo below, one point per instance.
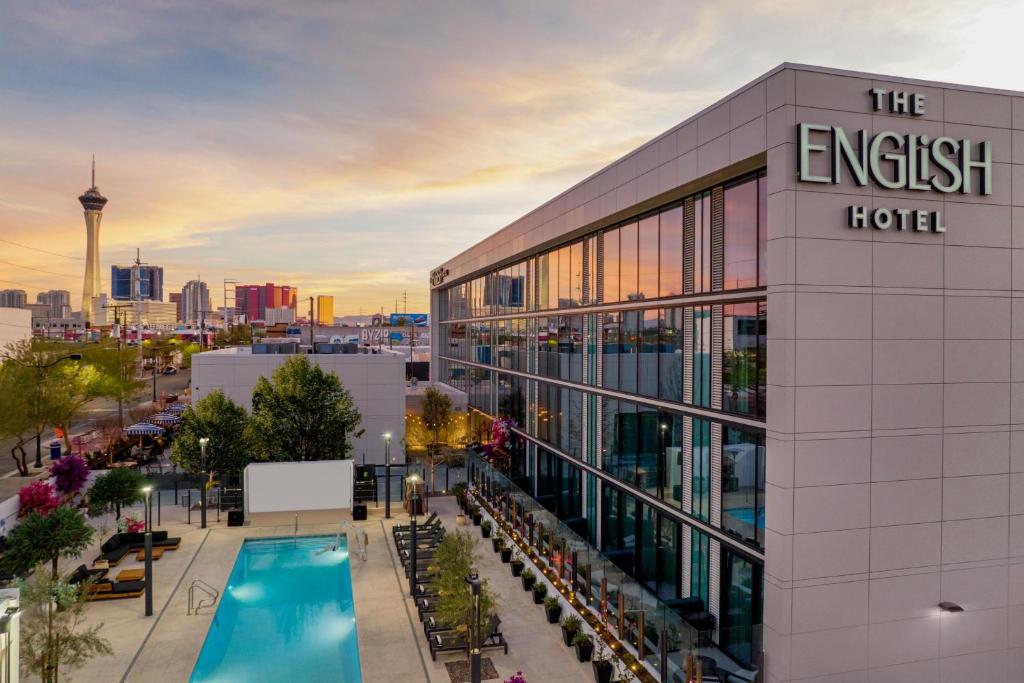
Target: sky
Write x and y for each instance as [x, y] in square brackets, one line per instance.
[347, 148]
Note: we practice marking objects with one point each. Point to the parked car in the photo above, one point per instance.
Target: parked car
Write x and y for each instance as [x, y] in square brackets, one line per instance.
[170, 371]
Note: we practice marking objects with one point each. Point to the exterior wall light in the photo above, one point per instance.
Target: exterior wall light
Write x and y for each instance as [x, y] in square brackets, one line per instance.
[950, 607]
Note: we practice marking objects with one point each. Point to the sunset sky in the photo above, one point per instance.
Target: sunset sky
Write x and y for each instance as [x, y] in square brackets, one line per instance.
[348, 148]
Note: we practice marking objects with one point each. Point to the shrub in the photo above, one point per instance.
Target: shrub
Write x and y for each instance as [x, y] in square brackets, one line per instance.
[551, 602]
[528, 574]
[581, 638]
[39, 497]
[70, 474]
[572, 623]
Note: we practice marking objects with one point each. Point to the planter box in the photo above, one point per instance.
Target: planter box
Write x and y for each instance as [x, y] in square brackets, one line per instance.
[553, 614]
[568, 635]
[538, 598]
[528, 582]
[506, 555]
[603, 670]
[517, 568]
[485, 532]
[584, 651]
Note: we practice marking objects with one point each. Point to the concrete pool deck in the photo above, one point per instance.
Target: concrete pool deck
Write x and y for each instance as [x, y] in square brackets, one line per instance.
[392, 646]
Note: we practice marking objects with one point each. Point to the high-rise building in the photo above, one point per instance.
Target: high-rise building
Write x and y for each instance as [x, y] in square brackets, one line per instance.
[13, 298]
[175, 298]
[151, 283]
[59, 301]
[92, 203]
[325, 310]
[195, 302]
[254, 300]
[764, 366]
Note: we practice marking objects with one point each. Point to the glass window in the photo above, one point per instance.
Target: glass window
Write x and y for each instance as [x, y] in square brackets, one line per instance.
[648, 356]
[701, 454]
[743, 484]
[610, 274]
[668, 558]
[741, 227]
[610, 436]
[702, 243]
[543, 273]
[670, 354]
[702, 356]
[553, 278]
[741, 605]
[647, 271]
[575, 333]
[612, 336]
[744, 352]
[576, 274]
[647, 452]
[670, 258]
[591, 271]
[700, 549]
[564, 278]
[671, 464]
[631, 322]
[762, 230]
[627, 262]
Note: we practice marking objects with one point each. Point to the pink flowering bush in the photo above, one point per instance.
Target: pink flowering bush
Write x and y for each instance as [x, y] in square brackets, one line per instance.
[130, 524]
[70, 474]
[39, 496]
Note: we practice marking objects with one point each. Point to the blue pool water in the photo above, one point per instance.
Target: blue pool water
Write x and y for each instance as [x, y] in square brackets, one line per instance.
[286, 615]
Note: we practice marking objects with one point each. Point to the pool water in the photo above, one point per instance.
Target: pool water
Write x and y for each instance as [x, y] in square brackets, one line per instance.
[286, 615]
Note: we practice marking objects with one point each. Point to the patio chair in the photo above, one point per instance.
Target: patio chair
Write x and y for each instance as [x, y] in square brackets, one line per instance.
[108, 589]
[429, 521]
[450, 641]
[83, 573]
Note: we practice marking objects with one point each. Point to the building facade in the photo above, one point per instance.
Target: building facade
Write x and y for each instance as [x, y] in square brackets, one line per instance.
[13, 298]
[324, 310]
[770, 359]
[151, 283]
[59, 301]
[254, 300]
[195, 302]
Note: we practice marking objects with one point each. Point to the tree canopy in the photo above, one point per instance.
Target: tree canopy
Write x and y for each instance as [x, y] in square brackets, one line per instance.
[115, 489]
[63, 532]
[303, 413]
[437, 413]
[225, 424]
[454, 560]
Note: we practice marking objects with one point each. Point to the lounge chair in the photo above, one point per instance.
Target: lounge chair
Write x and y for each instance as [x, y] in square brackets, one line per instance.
[119, 545]
[107, 589]
[431, 625]
[428, 533]
[83, 573]
[431, 520]
[450, 641]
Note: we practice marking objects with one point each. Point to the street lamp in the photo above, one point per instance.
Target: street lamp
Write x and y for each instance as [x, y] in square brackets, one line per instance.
[202, 496]
[412, 479]
[387, 471]
[474, 636]
[148, 547]
[39, 388]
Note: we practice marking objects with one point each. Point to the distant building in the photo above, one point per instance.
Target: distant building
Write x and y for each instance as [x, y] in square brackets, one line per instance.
[39, 311]
[324, 310]
[175, 298]
[254, 300]
[195, 302]
[273, 316]
[151, 313]
[59, 301]
[15, 325]
[13, 298]
[151, 283]
[92, 205]
[58, 328]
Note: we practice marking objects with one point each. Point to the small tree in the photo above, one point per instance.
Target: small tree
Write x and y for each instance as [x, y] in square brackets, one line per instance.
[46, 538]
[437, 414]
[454, 562]
[225, 424]
[115, 489]
[39, 496]
[69, 474]
[51, 636]
[303, 413]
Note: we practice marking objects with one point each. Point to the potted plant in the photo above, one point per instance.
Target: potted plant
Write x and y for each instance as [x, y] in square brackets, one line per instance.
[584, 643]
[539, 591]
[603, 665]
[475, 513]
[485, 529]
[506, 551]
[528, 578]
[459, 491]
[497, 542]
[553, 608]
[517, 566]
[570, 627]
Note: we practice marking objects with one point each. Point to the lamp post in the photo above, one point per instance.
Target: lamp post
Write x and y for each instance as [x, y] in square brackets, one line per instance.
[474, 636]
[202, 494]
[387, 470]
[412, 479]
[39, 388]
[149, 550]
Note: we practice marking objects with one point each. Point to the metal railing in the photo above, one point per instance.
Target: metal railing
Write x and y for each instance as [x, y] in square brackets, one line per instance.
[211, 593]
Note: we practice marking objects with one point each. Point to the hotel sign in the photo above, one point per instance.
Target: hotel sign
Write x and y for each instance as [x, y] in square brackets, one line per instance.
[895, 161]
[437, 276]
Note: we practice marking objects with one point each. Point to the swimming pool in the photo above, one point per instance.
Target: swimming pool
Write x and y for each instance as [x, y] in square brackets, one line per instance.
[286, 614]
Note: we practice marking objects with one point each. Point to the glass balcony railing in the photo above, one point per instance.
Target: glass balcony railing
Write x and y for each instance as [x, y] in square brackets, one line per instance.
[654, 631]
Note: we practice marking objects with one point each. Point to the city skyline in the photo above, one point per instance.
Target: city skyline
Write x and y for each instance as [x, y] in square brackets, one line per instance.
[337, 150]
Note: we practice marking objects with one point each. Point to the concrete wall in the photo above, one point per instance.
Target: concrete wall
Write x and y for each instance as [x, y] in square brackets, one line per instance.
[288, 486]
[896, 403]
[376, 382]
[15, 325]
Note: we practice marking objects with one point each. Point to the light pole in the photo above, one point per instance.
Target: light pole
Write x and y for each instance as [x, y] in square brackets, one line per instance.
[202, 495]
[387, 475]
[149, 550]
[412, 479]
[39, 389]
[474, 636]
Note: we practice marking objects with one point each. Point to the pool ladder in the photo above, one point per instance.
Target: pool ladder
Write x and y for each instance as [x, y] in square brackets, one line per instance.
[211, 594]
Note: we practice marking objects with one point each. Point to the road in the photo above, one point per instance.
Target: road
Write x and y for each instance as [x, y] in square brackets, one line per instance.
[95, 412]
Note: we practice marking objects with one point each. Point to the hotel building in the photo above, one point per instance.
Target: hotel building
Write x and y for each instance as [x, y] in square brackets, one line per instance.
[773, 359]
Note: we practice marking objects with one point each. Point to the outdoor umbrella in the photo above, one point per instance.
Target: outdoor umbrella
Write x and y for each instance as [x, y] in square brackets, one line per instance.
[165, 419]
[144, 429]
[176, 408]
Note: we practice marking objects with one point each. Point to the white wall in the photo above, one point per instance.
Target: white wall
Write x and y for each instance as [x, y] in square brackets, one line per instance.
[287, 486]
[15, 325]
[376, 382]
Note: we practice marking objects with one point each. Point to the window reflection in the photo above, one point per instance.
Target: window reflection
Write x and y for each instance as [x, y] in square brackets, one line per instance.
[743, 484]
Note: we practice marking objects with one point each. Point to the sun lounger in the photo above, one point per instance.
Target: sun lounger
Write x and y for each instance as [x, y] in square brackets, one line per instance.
[429, 521]
[105, 589]
[450, 641]
[83, 573]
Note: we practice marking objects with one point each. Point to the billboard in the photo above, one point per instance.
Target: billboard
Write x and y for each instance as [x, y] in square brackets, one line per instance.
[414, 319]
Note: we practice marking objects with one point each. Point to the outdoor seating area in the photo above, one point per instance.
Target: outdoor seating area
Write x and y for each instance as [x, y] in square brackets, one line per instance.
[442, 637]
[118, 546]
